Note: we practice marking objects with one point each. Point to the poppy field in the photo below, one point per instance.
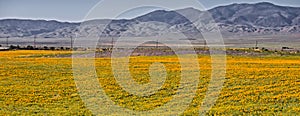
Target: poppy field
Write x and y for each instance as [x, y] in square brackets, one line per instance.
[42, 83]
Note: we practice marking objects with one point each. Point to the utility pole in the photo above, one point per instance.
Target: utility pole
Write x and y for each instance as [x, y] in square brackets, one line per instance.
[112, 43]
[204, 44]
[7, 41]
[99, 41]
[34, 40]
[256, 43]
[156, 43]
[71, 42]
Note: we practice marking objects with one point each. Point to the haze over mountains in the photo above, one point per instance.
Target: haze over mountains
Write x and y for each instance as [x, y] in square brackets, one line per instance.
[261, 18]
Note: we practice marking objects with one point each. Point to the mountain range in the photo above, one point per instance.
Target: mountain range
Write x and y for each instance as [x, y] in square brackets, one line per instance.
[235, 19]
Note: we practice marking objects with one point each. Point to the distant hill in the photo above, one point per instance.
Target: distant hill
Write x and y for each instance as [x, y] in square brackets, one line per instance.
[260, 14]
[260, 18]
[24, 28]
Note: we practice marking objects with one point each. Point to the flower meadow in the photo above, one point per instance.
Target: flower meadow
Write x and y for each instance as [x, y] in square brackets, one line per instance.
[42, 83]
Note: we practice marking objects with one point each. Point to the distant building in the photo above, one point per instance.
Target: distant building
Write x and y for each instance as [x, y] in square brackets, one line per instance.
[4, 48]
[290, 50]
[257, 50]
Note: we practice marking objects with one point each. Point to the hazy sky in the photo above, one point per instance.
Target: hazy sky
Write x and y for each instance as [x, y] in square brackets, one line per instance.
[76, 10]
